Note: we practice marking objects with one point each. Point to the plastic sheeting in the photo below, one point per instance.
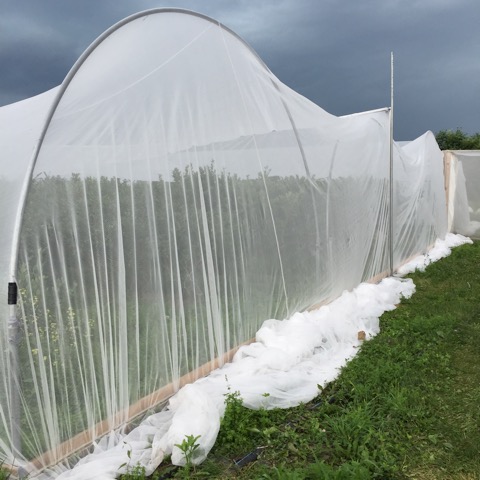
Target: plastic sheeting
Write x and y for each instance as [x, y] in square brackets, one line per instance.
[179, 196]
[20, 127]
[463, 191]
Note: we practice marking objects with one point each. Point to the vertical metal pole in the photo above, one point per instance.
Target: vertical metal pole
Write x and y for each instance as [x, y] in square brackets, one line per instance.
[391, 166]
[13, 330]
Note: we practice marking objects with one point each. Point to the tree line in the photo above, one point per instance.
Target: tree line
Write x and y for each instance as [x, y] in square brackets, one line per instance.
[457, 140]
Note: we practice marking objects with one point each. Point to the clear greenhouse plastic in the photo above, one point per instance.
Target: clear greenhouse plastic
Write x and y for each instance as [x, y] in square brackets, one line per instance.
[463, 180]
[170, 197]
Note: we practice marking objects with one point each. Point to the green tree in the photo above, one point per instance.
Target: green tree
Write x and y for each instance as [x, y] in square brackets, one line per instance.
[457, 140]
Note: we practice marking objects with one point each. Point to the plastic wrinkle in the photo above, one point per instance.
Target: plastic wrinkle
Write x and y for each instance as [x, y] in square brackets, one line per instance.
[441, 249]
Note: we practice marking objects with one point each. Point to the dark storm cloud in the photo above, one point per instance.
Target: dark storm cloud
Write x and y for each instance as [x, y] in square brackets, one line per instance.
[31, 77]
[337, 53]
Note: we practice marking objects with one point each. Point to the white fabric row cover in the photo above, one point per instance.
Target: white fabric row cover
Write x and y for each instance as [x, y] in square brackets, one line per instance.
[181, 196]
[463, 174]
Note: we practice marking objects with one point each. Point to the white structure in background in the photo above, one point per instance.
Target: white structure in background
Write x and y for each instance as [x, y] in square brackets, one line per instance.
[462, 177]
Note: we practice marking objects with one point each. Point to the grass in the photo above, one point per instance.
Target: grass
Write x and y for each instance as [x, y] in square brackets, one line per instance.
[406, 407]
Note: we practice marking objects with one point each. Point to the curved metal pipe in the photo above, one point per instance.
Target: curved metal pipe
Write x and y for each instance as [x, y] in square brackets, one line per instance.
[65, 84]
[13, 322]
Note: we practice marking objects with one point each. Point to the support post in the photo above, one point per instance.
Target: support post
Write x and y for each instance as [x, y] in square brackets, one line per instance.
[390, 229]
[13, 333]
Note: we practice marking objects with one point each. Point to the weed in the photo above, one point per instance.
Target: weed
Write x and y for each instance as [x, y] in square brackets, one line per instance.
[134, 473]
[137, 472]
[242, 428]
[188, 447]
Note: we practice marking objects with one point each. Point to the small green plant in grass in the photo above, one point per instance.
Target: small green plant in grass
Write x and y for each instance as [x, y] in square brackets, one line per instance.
[234, 410]
[134, 473]
[234, 428]
[266, 435]
[188, 447]
[243, 429]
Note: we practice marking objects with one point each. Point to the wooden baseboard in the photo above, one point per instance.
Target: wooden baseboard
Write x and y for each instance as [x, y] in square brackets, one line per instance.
[84, 439]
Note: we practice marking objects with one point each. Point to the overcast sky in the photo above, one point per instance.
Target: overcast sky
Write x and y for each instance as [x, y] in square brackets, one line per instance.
[334, 52]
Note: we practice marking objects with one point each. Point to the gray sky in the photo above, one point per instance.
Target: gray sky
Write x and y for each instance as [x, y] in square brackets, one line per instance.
[334, 52]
